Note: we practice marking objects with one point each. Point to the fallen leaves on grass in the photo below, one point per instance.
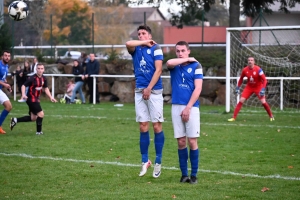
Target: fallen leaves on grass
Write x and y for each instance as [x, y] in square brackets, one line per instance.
[264, 189]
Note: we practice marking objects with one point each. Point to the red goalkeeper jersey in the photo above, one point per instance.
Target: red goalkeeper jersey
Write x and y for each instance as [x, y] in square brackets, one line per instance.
[255, 77]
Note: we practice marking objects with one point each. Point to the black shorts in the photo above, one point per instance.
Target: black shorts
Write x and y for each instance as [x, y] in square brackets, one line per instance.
[34, 107]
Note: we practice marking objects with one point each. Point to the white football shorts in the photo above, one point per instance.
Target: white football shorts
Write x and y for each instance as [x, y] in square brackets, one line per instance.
[191, 128]
[3, 97]
[149, 110]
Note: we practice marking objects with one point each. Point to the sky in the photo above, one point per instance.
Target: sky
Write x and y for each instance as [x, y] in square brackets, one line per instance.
[163, 7]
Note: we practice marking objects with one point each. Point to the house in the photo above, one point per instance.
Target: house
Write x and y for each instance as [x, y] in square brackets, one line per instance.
[194, 34]
[144, 15]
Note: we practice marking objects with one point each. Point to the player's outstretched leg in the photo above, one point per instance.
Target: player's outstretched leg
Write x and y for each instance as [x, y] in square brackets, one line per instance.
[268, 109]
[236, 112]
[13, 123]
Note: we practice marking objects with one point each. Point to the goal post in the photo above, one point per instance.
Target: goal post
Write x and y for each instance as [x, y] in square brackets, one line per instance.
[276, 50]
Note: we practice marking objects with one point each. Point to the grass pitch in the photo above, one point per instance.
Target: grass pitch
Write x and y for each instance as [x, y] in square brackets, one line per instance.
[92, 152]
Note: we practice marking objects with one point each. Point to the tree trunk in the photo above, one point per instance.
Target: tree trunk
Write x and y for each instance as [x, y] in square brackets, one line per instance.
[234, 13]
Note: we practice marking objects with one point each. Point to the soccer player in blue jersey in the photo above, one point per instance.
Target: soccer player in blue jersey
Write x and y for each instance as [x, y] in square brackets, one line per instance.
[3, 84]
[186, 81]
[147, 59]
[36, 84]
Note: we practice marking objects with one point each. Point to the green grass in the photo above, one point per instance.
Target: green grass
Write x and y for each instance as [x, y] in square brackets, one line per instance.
[92, 152]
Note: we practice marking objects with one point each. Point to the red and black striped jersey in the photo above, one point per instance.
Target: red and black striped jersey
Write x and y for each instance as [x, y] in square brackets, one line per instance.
[36, 85]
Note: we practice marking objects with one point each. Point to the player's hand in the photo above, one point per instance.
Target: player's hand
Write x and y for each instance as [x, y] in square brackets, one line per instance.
[185, 114]
[146, 93]
[262, 92]
[53, 100]
[237, 90]
[150, 43]
[8, 87]
[24, 97]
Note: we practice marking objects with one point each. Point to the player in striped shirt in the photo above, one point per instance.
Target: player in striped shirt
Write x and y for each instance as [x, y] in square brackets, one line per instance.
[186, 81]
[36, 84]
[256, 83]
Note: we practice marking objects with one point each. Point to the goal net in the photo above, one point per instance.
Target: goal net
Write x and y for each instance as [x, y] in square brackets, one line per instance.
[277, 51]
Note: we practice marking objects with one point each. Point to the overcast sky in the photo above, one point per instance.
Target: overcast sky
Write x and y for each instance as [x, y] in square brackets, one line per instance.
[163, 7]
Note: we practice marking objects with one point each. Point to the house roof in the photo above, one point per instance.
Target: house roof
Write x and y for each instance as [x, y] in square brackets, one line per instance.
[152, 15]
[138, 14]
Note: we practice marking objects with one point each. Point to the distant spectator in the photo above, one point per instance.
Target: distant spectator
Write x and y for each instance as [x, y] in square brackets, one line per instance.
[33, 66]
[92, 68]
[18, 73]
[78, 70]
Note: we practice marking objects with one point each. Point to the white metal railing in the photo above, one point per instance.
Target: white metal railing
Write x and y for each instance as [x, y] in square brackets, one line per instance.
[132, 76]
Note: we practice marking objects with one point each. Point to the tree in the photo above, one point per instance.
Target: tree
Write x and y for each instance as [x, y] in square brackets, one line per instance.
[192, 9]
[5, 37]
[111, 24]
[71, 21]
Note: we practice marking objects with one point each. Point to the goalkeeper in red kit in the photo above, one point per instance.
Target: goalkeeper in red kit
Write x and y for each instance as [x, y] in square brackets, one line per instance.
[256, 83]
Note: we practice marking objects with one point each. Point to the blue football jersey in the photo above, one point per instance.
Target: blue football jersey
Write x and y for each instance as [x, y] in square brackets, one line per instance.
[143, 59]
[182, 82]
[3, 72]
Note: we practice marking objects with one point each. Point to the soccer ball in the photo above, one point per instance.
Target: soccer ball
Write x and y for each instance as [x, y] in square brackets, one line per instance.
[18, 10]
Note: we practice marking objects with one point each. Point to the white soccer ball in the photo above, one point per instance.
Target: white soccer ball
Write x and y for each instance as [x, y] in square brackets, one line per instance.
[18, 10]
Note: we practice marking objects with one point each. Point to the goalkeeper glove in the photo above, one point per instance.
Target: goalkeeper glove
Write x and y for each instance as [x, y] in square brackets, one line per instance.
[262, 92]
[237, 90]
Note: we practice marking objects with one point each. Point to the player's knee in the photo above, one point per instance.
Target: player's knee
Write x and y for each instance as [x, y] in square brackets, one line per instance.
[144, 127]
[7, 106]
[242, 100]
[193, 143]
[181, 142]
[40, 114]
[157, 127]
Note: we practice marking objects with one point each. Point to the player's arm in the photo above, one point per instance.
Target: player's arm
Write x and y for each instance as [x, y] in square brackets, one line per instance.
[131, 44]
[23, 91]
[264, 82]
[263, 79]
[47, 91]
[6, 85]
[178, 61]
[155, 77]
[241, 79]
[240, 82]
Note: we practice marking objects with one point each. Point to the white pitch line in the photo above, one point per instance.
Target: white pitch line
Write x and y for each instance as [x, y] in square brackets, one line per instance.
[135, 165]
[166, 121]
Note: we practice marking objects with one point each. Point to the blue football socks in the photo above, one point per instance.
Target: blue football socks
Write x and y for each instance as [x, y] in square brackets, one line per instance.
[159, 140]
[194, 158]
[3, 116]
[144, 145]
[183, 159]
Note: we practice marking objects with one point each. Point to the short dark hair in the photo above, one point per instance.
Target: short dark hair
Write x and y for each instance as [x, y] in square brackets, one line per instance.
[183, 43]
[5, 51]
[144, 27]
